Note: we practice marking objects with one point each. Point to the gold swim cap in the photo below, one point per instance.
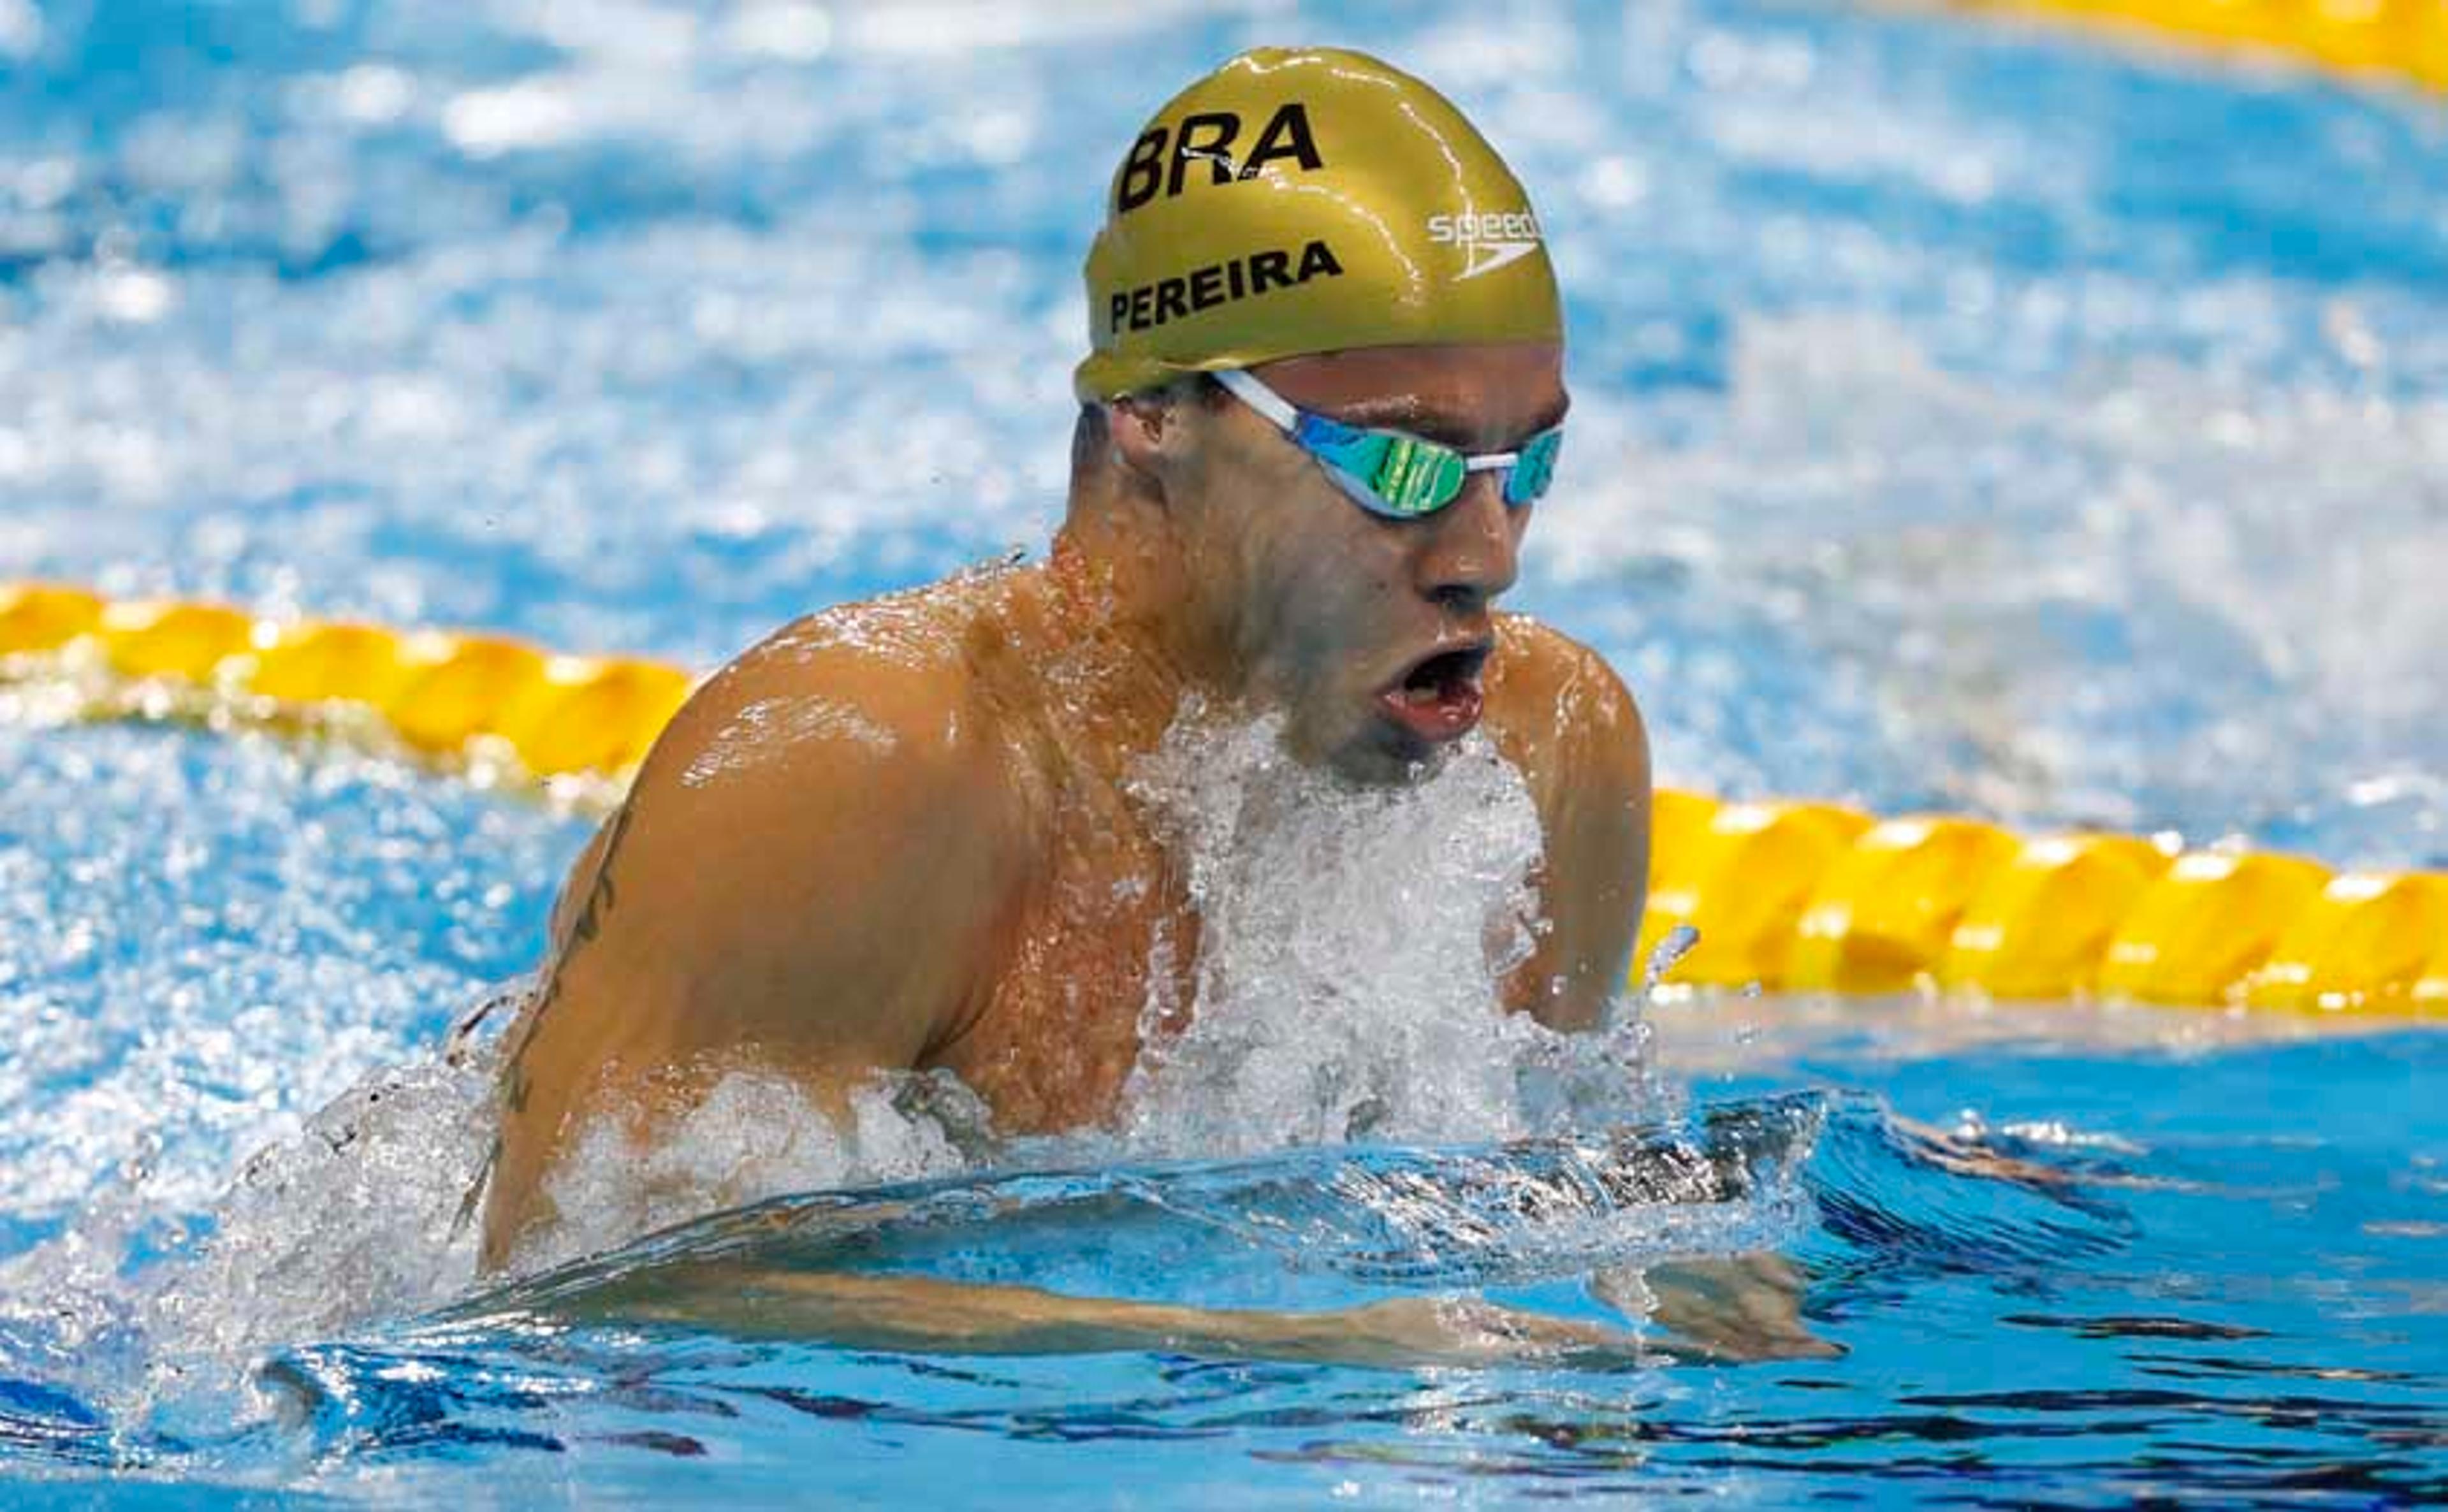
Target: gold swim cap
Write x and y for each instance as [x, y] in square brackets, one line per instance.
[1307, 201]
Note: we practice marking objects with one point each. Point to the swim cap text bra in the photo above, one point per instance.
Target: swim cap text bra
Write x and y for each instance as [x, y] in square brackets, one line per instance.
[1307, 201]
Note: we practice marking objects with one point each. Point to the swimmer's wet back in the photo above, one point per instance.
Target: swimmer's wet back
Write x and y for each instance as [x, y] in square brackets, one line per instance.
[1300, 200]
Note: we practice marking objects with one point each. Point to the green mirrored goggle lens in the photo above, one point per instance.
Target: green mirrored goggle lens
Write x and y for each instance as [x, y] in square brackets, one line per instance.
[1404, 476]
[1413, 476]
[1395, 473]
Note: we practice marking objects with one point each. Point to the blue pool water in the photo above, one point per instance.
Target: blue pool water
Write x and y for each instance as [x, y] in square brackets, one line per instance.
[1965, 417]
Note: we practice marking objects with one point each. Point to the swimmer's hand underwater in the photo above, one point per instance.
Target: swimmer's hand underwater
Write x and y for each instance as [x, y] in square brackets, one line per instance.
[885, 1312]
[900, 835]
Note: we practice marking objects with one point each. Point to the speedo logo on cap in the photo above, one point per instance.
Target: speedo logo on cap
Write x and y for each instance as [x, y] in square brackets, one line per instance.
[1488, 240]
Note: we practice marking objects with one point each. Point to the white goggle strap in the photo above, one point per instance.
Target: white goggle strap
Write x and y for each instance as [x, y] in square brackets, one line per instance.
[1246, 388]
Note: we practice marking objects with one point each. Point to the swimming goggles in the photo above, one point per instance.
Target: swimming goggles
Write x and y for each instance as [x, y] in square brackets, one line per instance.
[1392, 472]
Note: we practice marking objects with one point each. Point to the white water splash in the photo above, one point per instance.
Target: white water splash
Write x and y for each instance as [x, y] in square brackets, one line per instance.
[373, 1211]
[367, 1212]
[1353, 944]
[756, 1136]
[359, 1216]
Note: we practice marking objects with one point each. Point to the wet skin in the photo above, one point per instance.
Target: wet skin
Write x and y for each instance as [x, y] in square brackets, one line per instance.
[896, 835]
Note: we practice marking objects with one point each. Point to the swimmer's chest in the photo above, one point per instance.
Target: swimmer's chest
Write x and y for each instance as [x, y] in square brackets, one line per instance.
[1109, 932]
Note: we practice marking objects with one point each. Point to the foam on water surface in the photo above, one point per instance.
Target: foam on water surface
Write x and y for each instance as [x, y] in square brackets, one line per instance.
[755, 1135]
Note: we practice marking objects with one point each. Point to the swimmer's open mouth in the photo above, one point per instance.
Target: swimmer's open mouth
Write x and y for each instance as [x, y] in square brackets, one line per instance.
[1445, 669]
[1439, 698]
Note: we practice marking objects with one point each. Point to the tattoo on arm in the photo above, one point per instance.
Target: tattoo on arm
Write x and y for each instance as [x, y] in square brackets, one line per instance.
[515, 1083]
[600, 896]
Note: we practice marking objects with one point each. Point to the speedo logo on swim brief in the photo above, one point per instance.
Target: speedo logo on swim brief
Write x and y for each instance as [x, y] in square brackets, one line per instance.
[1488, 241]
[1207, 138]
[1218, 283]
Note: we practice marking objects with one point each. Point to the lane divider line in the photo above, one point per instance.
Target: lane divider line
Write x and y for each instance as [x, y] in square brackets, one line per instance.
[2406, 40]
[1790, 896]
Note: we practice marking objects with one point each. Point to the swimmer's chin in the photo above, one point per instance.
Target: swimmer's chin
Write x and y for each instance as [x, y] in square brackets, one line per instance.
[1373, 751]
[1385, 755]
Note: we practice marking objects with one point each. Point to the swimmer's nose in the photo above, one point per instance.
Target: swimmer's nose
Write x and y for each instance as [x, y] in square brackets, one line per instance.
[1473, 546]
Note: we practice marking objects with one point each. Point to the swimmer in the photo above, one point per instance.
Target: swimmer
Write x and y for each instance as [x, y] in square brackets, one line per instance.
[1324, 399]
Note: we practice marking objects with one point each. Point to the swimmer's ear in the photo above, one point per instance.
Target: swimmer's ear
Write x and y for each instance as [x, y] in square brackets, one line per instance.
[1139, 425]
[1145, 428]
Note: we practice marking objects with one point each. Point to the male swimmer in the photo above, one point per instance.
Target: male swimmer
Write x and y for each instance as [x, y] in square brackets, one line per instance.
[1325, 396]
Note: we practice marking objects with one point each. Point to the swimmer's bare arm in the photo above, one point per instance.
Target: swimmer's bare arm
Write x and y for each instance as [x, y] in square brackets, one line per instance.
[807, 879]
[917, 1313]
[1562, 714]
[1719, 1320]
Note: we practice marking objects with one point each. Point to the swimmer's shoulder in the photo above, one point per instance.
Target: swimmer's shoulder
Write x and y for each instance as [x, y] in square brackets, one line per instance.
[808, 874]
[1561, 712]
[889, 677]
[1568, 723]
[867, 714]
[831, 797]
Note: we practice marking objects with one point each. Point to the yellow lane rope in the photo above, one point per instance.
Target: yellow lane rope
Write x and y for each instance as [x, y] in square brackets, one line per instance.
[2407, 39]
[1794, 896]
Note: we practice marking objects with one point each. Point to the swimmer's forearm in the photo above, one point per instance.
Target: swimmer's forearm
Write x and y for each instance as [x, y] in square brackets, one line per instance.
[924, 1312]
